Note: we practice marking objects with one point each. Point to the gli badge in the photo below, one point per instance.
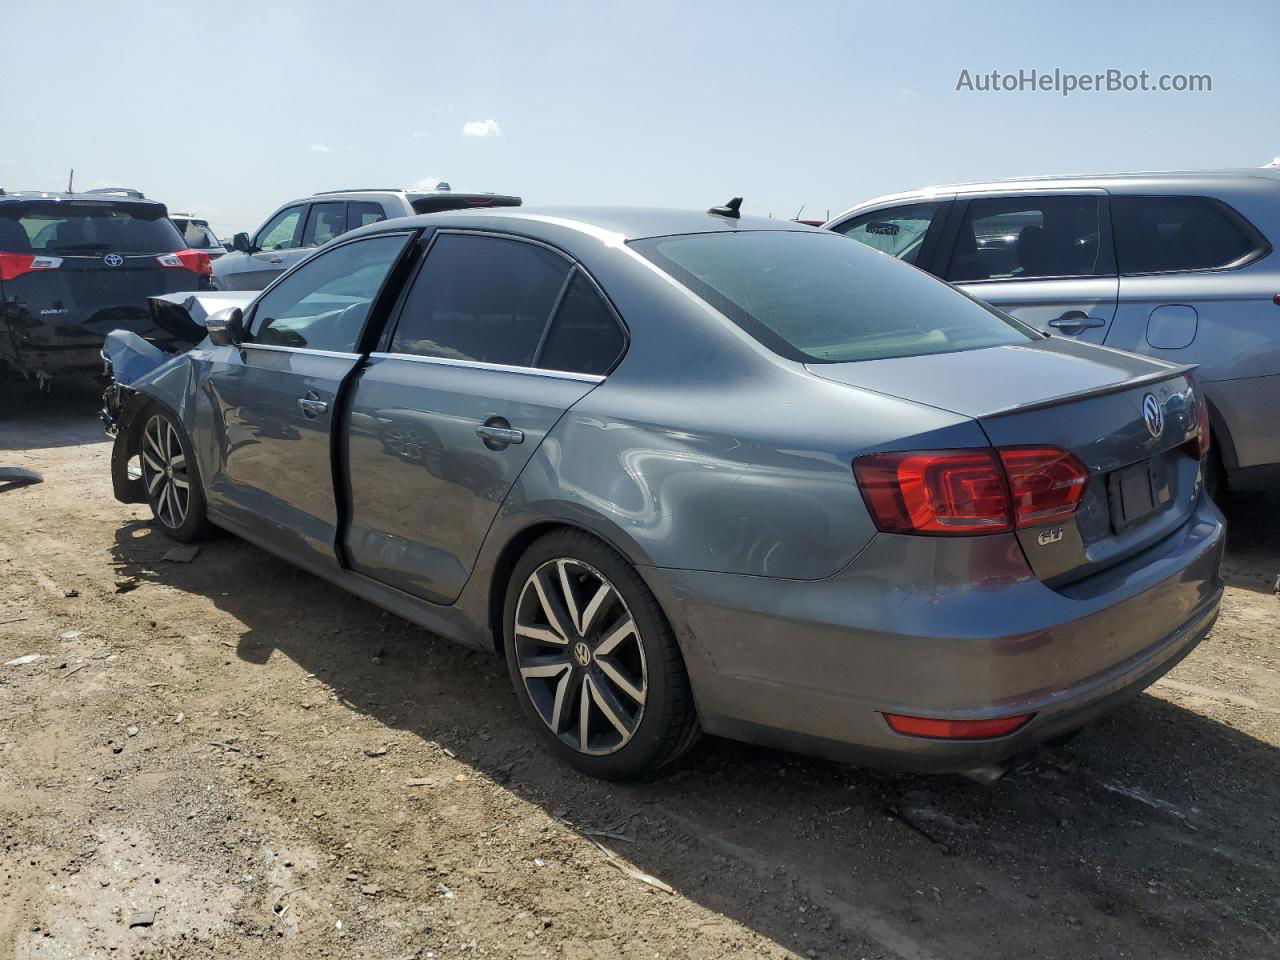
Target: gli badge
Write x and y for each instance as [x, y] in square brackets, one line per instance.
[113, 260]
[1050, 536]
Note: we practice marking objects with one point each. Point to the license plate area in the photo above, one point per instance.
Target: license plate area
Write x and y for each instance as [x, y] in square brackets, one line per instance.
[1137, 492]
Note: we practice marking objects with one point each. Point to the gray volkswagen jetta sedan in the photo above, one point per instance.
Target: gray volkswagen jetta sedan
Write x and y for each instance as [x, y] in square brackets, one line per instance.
[699, 472]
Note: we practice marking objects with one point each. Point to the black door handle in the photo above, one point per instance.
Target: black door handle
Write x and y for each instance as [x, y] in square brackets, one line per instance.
[1076, 320]
[497, 433]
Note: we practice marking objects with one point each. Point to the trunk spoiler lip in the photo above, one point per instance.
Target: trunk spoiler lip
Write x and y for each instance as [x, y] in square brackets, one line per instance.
[1146, 379]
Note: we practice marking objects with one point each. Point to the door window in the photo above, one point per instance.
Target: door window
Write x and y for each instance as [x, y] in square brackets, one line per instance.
[363, 213]
[324, 303]
[326, 221]
[1023, 238]
[481, 298]
[899, 231]
[584, 336]
[1168, 234]
[282, 231]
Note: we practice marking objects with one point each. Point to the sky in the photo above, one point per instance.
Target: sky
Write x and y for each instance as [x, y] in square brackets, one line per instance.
[230, 109]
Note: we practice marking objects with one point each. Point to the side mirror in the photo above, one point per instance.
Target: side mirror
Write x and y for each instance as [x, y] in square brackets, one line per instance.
[241, 243]
[226, 327]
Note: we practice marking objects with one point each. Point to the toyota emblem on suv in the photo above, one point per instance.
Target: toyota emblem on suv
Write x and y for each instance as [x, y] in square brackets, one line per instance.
[1153, 415]
[113, 260]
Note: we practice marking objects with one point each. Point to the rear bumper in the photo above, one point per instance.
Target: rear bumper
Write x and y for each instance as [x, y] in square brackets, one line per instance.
[813, 666]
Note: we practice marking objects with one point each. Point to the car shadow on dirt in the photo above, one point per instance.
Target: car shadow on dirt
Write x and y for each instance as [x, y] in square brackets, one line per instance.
[1153, 834]
[62, 416]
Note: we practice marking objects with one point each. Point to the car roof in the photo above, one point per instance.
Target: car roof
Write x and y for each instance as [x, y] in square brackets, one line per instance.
[618, 223]
[1208, 180]
[45, 195]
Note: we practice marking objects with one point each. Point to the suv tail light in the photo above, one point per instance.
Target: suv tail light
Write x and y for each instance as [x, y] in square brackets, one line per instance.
[976, 491]
[192, 260]
[14, 265]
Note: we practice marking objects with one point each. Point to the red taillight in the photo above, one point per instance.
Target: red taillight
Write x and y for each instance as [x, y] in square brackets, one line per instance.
[1046, 483]
[970, 491]
[935, 491]
[939, 729]
[14, 265]
[191, 260]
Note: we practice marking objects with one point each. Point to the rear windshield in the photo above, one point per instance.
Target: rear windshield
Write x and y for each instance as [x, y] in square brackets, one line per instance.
[196, 233]
[436, 202]
[822, 298]
[75, 226]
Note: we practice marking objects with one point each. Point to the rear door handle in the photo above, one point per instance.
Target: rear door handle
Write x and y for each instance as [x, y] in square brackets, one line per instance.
[275, 259]
[502, 435]
[311, 405]
[1077, 320]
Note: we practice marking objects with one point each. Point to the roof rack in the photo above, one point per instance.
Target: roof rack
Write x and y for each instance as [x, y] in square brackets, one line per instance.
[120, 191]
[325, 193]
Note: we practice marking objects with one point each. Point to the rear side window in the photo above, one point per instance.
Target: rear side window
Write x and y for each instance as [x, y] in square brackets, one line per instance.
[1168, 234]
[362, 213]
[1026, 238]
[584, 336]
[480, 298]
[326, 221]
[898, 232]
[814, 297]
[196, 234]
[73, 227]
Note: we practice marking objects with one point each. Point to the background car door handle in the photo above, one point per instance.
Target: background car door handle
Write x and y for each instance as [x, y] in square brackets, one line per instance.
[275, 259]
[1076, 320]
[311, 405]
[501, 435]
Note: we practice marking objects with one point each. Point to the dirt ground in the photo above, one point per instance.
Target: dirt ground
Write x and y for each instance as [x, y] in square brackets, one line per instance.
[262, 766]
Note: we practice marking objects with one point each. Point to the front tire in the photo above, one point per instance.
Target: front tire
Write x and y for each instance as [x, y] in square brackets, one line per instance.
[170, 477]
[594, 661]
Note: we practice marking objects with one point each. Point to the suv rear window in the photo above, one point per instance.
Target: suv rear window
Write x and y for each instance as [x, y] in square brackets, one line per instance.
[88, 226]
[1170, 234]
[819, 298]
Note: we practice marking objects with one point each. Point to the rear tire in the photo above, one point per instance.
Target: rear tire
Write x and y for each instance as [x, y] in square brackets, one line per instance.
[171, 478]
[594, 661]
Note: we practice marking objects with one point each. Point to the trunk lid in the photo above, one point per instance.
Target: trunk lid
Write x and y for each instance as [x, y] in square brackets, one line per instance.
[1091, 401]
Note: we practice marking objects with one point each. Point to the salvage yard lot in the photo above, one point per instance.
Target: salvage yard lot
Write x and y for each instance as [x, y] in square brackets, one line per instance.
[273, 768]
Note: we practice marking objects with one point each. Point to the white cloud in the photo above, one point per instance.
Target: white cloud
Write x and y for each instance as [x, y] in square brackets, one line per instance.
[320, 148]
[481, 128]
[426, 183]
[1273, 163]
[907, 93]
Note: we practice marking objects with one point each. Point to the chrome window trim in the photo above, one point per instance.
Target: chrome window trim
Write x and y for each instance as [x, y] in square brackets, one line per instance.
[494, 367]
[307, 350]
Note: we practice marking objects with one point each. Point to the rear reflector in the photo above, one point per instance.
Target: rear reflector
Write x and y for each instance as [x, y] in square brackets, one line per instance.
[192, 260]
[1198, 446]
[14, 265]
[939, 729]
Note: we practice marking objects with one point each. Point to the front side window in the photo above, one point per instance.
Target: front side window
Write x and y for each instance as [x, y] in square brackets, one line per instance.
[480, 298]
[324, 303]
[814, 297]
[326, 221]
[1026, 238]
[1169, 234]
[899, 231]
[283, 231]
[87, 227]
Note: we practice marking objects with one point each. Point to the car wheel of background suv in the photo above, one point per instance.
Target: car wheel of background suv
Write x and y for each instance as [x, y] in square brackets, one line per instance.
[170, 478]
[594, 661]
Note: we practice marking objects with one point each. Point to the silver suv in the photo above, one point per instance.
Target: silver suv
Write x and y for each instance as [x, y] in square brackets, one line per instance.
[1178, 266]
[294, 231]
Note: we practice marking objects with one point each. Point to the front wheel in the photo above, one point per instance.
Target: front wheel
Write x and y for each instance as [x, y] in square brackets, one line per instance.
[170, 478]
[594, 661]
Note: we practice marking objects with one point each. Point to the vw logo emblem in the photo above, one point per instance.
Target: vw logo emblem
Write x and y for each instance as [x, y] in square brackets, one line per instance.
[113, 260]
[1153, 415]
[581, 653]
